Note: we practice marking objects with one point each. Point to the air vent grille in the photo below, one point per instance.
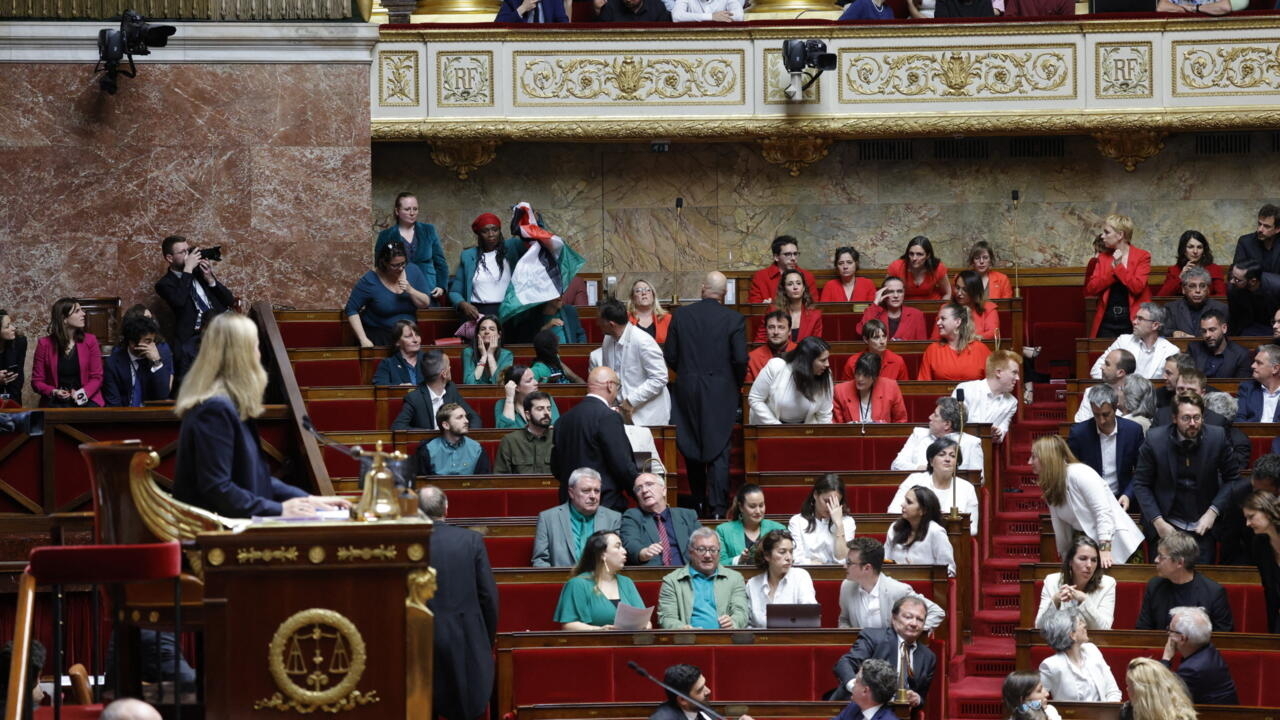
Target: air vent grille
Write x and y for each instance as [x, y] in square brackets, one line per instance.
[1223, 143]
[1037, 147]
[961, 149]
[869, 150]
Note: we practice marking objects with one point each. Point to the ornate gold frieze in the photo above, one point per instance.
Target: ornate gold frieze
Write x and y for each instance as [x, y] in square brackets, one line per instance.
[463, 157]
[464, 79]
[419, 639]
[1226, 67]
[776, 79]
[1013, 72]
[398, 78]
[1130, 148]
[246, 556]
[648, 77]
[794, 153]
[382, 552]
[1123, 70]
[317, 658]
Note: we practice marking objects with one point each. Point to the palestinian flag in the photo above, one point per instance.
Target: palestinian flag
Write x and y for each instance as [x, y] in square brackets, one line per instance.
[545, 268]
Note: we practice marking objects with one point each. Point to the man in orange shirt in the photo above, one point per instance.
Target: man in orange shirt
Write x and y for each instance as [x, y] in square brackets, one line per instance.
[786, 256]
[777, 330]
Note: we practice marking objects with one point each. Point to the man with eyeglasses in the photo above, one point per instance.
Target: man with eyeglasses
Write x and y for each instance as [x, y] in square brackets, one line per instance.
[867, 595]
[591, 435]
[703, 595]
[786, 256]
[1148, 348]
[654, 533]
[1185, 314]
[1177, 584]
[192, 292]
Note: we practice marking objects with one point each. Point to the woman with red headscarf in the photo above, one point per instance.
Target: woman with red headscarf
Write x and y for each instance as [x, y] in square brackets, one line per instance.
[479, 285]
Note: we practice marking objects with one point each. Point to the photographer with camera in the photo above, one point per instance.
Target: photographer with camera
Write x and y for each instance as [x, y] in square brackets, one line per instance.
[191, 290]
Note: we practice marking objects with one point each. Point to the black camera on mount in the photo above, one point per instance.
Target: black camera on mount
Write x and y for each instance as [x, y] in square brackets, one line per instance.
[135, 37]
[800, 54]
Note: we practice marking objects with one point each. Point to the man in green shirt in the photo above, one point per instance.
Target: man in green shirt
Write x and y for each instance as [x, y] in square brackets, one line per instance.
[527, 451]
[703, 595]
[563, 530]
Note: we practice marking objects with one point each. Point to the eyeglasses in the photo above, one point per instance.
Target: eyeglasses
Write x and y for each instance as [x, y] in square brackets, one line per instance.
[398, 266]
[704, 550]
[1142, 318]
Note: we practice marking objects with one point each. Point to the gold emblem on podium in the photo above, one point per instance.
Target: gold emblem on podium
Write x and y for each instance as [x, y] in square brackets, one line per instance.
[316, 658]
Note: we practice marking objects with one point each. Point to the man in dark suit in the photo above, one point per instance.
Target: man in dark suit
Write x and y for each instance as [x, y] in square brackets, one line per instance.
[687, 679]
[873, 689]
[1186, 477]
[1113, 459]
[531, 11]
[707, 348]
[1255, 395]
[1202, 668]
[1193, 382]
[139, 369]
[466, 614]
[1215, 354]
[436, 391]
[1252, 298]
[641, 531]
[893, 644]
[591, 435]
[191, 291]
[1260, 246]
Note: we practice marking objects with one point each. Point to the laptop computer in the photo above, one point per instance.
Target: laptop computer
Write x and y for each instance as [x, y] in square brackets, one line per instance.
[787, 615]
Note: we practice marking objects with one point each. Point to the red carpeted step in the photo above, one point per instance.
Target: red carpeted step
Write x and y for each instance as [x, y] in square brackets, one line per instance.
[976, 698]
[1000, 570]
[996, 625]
[998, 597]
[1023, 547]
[1027, 501]
[1024, 522]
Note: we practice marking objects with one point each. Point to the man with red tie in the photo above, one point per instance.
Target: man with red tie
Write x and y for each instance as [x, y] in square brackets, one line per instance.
[655, 534]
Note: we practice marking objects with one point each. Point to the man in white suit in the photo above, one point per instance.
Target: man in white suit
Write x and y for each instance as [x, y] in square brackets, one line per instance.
[562, 530]
[867, 595]
[637, 359]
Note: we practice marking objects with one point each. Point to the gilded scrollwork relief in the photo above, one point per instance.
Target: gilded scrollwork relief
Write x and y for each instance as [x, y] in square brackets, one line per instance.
[397, 78]
[998, 73]
[463, 157]
[1123, 70]
[609, 78]
[1130, 148]
[776, 78]
[1240, 67]
[794, 153]
[464, 79]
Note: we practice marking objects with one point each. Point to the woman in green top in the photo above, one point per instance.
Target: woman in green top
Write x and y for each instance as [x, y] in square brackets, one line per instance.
[546, 365]
[509, 412]
[484, 359]
[589, 601]
[746, 526]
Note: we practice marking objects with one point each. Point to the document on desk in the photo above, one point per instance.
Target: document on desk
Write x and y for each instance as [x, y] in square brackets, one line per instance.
[631, 618]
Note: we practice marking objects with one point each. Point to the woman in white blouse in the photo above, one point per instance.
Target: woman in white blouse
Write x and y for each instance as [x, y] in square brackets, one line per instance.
[1079, 499]
[779, 582]
[1082, 585]
[940, 458]
[918, 538]
[1077, 671]
[822, 528]
[795, 388]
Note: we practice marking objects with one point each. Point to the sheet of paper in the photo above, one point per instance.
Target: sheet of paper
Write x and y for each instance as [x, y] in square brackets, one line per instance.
[631, 618]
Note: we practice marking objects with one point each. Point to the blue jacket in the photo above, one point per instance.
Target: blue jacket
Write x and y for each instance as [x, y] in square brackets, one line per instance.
[220, 465]
[553, 12]
[1085, 445]
[1208, 678]
[393, 370]
[460, 281]
[428, 255]
[1250, 399]
[117, 377]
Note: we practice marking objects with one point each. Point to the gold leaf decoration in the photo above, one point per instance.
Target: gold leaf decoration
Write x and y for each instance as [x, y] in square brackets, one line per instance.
[1130, 148]
[628, 79]
[955, 74]
[382, 552]
[245, 556]
[317, 657]
[1247, 67]
[397, 78]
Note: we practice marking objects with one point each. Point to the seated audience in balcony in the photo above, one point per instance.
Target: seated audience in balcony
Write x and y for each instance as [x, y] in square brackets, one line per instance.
[1077, 671]
[1252, 298]
[995, 283]
[918, 537]
[437, 389]
[140, 368]
[921, 8]
[484, 359]
[1082, 584]
[1138, 401]
[1262, 516]
[1178, 583]
[905, 631]
[1202, 667]
[404, 365]
[703, 595]
[547, 366]
[1193, 252]
[959, 354]
[793, 298]
[563, 530]
[942, 480]
[1211, 7]
[1184, 314]
[991, 399]
[778, 582]
[868, 397]
[745, 526]
[786, 256]
[554, 316]
[1117, 277]
[707, 11]
[867, 595]
[590, 600]
[872, 692]
[67, 368]
[220, 466]
[1155, 693]
[532, 11]
[653, 532]
[1148, 348]
[453, 453]
[479, 283]
[967, 291]
[901, 322]
[527, 451]
[1216, 355]
[645, 311]
[631, 11]
[847, 286]
[823, 527]
[518, 382]
[876, 338]
[1107, 443]
[924, 275]
[421, 244]
[384, 296]
[867, 10]
[796, 388]
[1080, 500]
[945, 421]
[777, 343]
[1259, 397]
[13, 359]
[1024, 695]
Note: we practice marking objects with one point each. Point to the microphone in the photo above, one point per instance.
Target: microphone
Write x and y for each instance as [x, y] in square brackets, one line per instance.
[959, 395]
[344, 449]
[701, 707]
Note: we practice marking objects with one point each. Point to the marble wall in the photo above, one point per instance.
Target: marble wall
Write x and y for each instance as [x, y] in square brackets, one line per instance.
[735, 202]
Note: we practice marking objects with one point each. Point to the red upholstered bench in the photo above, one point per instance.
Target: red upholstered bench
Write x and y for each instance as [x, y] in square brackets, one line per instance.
[479, 503]
[313, 333]
[825, 453]
[345, 371]
[343, 414]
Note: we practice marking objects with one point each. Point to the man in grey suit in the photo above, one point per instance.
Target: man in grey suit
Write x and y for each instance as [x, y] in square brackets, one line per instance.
[564, 529]
[867, 595]
[655, 534]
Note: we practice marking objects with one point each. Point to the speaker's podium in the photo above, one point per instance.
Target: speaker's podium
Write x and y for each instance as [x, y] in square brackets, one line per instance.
[325, 618]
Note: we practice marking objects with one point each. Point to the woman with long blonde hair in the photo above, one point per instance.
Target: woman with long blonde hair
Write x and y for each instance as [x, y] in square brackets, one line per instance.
[959, 353]
[645, 311]
[1080, 500]
[219, 462]
[1155, 693]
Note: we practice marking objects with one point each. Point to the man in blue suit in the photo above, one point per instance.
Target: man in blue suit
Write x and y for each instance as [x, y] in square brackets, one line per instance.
[1202, 668]
[655, 534]
[900, 645]
[873, 689]
[1107, 443]
[139, 369]
[1259, 398]
[531, 11]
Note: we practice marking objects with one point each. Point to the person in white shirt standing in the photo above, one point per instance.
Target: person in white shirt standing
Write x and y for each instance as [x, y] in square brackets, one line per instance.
[637, 359]
[991, 399]
[1117, 365]
[1148, 348]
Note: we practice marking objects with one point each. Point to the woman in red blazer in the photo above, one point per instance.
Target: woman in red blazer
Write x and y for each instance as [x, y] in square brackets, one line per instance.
[67, 360]
[868, 397]
[1193, 250]
[904, 323]
[892, 365]
[847, 286]
[1118, 279]
[924, 274]
[794, 299]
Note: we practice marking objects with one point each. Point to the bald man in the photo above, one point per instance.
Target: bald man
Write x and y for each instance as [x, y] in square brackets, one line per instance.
[129, 709]
[707, 348]
[591, 435]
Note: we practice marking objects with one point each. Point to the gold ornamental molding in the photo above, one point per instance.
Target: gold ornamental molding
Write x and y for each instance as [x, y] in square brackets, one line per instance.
[1012, 72]
[462, 157]
[650, 77]
[398, 82]
[419, 639]
[794, 153]
[382, 552]
[317, 657]
[247, 556]
[465, 79]
[1130, 148]
[1123, 70]
[1225, 67]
